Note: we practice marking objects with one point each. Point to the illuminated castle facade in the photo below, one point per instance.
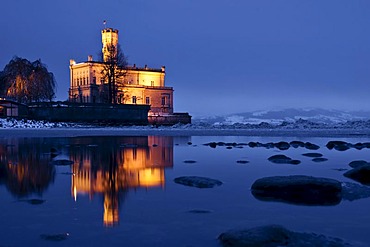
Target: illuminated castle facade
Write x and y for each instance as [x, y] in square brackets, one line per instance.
[138, 85]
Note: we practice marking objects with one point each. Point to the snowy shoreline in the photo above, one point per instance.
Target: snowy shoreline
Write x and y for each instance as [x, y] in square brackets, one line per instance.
[299, 128]
[168, 131]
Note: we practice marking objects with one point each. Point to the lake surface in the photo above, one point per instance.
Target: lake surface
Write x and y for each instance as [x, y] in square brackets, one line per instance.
[121, 191]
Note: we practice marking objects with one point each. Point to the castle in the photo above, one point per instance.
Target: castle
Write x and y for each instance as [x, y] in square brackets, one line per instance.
[136, 86]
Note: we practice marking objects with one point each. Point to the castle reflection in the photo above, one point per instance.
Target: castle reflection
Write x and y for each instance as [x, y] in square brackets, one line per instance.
[103, 166]
[24, 166]
[110, 166]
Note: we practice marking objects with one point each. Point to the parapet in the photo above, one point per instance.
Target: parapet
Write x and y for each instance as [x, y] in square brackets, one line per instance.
[109, 30]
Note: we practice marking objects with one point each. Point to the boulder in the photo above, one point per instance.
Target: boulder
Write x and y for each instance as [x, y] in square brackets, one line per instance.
[55, 237]
[359, 146]
[282, 145]
[213, 145]
[200, 211]
[296, 144]
[268, 145]
[358, 163]
[360, 174]
[342, 147]
[190, 161]
[274, 236]
[311, 146]
[312, 155]
[253, 144]
[331, 144]
[301, 190]
[338, 145]
[282, 159]
[320, 159]
[199, 182]
[242, 161]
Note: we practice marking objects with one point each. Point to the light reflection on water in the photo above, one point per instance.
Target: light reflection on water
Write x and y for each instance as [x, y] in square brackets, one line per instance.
[120, 190]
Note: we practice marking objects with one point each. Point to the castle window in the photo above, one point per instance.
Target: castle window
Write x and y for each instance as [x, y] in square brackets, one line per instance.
[163, 100]
[152, 83]
[84, 80]
[133, 99]
[147, 100]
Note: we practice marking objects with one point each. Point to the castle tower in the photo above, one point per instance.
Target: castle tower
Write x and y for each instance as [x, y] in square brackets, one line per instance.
[110, 41]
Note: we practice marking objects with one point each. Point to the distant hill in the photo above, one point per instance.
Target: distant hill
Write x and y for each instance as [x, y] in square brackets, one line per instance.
[315, 115]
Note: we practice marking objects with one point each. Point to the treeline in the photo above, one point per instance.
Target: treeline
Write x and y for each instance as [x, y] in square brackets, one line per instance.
[27, 82]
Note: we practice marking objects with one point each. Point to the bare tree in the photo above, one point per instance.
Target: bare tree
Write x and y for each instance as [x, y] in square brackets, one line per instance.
[27, 82]
[114, 68]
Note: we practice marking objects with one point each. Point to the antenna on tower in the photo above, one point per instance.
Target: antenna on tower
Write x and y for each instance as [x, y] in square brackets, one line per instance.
[105, 24]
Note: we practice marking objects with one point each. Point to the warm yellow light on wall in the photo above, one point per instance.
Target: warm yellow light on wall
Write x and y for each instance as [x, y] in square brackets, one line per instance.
[151, 177]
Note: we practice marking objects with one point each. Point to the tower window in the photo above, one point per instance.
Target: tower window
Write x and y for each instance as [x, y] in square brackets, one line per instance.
[147, 100]
[163, 100]
[152, 83]
[133, 99]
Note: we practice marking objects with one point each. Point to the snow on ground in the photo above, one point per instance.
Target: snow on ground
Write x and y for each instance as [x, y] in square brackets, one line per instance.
[299, 124]
[11, 123]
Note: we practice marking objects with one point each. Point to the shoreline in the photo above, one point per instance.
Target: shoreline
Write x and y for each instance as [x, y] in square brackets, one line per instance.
[107, 131]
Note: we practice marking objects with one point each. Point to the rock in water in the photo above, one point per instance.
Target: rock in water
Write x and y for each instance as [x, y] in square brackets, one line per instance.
[338, 145]
[331, 144]
[301, 190]
[199, 182]
[296, 144]
[311, 146]
[282, 145]
[282, 159]
[360, 174]
[276, 236]
[358, 163]
[190, 161]
[199, 211]
[55, 237]
[242, 161]
[312, 155]
[272, 235]
[319, 159]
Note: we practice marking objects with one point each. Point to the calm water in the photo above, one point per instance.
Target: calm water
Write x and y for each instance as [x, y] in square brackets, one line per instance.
[120, 191]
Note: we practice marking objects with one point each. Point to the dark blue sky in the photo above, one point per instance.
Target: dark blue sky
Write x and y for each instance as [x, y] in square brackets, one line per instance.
[221, 56]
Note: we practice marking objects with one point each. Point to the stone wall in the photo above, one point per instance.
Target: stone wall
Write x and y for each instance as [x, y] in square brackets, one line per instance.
[175, 118]
[94, 113]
